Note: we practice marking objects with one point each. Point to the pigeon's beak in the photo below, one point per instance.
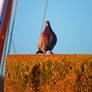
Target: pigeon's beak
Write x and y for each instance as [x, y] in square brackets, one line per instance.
[46, 24]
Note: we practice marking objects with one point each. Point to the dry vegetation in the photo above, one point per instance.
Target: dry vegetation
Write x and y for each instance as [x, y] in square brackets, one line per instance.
[48, 73]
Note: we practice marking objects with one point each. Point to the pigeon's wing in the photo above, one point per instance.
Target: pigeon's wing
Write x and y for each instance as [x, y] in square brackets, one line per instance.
[52, 40]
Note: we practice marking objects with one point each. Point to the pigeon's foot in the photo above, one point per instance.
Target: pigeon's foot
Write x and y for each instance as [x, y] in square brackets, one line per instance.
[51, 52]
[39, 51]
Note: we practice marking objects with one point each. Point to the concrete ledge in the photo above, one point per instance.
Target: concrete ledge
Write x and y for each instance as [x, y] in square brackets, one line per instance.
[48, 73]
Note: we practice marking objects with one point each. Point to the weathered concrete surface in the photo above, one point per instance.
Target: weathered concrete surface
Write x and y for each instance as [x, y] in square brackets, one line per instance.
[48, 73]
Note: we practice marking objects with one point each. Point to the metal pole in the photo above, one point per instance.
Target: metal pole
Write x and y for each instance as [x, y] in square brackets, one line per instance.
[12, 29]
[45, 11]
[2, 66]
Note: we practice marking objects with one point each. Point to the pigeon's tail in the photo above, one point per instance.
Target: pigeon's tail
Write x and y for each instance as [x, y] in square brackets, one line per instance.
[39, 51]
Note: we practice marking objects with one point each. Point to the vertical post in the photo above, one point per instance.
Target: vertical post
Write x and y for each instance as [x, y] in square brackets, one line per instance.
[44, 15]
[4, 24]
[6, 13]
[12, 28]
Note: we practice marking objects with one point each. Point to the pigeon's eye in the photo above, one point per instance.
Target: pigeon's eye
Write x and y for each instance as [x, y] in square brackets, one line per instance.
[47, 22]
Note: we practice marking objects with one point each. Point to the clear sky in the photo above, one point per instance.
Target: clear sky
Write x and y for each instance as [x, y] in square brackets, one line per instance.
[71, 20]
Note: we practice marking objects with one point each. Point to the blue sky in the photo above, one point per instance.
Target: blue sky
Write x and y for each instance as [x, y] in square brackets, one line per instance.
[71, 20]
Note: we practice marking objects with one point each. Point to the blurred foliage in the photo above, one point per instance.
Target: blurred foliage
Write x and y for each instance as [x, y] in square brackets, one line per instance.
[83, 74]
[49, 72]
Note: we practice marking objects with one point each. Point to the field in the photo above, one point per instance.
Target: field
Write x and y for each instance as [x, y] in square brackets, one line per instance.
[48, 73]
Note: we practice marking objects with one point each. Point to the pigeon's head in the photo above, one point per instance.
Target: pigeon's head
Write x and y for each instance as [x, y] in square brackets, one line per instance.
[47, 23]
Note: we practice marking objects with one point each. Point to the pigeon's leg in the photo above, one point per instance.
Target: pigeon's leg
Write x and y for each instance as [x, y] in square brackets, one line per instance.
[44, 52]
[51, 52]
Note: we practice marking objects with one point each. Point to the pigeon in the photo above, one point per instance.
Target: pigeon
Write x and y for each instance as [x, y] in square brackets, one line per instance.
[47, 40]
